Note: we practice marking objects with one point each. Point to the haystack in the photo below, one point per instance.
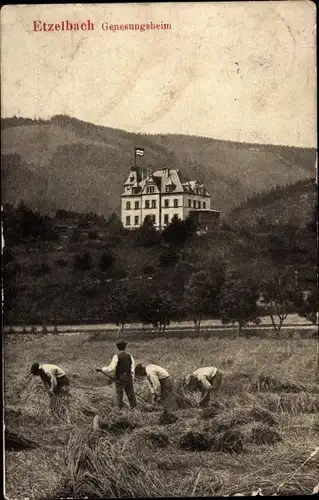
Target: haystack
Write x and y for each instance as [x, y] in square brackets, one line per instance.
[262, 415]
[158, 439]
[167, 418]
[228, 441]
[14, 442]
[195, 441]
[263, 434]
[210, 412]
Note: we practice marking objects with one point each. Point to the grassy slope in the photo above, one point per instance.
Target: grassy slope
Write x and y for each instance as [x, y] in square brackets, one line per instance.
[82, 167]
[169, 471]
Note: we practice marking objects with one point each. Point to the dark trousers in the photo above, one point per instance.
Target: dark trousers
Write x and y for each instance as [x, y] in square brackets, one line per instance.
[125, 384]
[62, 386]
[167, 394]
[212, 394]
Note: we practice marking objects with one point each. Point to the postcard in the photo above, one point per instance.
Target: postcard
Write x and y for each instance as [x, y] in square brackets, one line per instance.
[159, 242]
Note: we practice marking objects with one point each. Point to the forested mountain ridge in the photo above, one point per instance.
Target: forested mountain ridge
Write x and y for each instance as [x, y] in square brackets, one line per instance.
[67, 163]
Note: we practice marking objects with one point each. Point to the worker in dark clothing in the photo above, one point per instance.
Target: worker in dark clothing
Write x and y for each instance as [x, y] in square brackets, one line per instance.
[122, 370]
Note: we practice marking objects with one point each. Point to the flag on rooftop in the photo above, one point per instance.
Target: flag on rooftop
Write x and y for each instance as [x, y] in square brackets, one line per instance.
[139, 152]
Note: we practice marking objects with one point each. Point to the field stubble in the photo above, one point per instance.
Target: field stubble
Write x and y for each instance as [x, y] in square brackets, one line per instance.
[259, 433]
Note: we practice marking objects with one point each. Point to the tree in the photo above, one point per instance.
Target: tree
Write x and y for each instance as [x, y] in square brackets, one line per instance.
[168, 258]
[83, 262]
[106, 260]
[200, 297]
[176, 232]
[114, 224]
[154, 306]
[238, 302]
[147, 235]
[121, 306]
[306, 304]
[279, 295]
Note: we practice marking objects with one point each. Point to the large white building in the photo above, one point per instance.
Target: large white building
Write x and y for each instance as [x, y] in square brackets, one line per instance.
[161, 195]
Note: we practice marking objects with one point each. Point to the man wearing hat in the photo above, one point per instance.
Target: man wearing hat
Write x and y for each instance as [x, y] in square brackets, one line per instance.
[122, 370]
[53, 377]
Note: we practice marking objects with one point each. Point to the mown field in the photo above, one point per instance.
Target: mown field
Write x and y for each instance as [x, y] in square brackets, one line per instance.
[260, 434]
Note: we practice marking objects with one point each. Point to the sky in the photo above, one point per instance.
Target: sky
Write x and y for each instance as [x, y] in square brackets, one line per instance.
[239, 71]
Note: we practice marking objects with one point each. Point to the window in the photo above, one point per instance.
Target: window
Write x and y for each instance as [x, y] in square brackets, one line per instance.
[136, 205]
[166, 219]
[128, 221]
[189, 203]
[153, 203]
[194, 203]
[154, 219]
[168, 189]
[128, 205]
[204, 204]
[147, 204]
[175, 203]
[199, 204]
[135, 190]
[136, 220]
[166, 203]
[150, 189]
[175, 216]
[132, 178]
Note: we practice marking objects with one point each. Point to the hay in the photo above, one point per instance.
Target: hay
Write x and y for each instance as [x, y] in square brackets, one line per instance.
[262, 434]
[210, 412]
[271, 384]
[158, 439]
[185, 398]
[167, 418]
[195, 441]
[14, 442]
[263, 415]
[228, 441]
[119, 426]
[96, 468]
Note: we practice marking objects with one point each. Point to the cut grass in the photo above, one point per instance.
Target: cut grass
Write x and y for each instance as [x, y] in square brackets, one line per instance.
[268, 403]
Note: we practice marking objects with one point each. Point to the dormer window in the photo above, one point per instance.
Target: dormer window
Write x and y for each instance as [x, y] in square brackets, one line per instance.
[132, 178]
[150, 189]
[168, 189]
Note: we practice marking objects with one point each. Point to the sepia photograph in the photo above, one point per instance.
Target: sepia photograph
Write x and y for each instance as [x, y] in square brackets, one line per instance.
[159, 250]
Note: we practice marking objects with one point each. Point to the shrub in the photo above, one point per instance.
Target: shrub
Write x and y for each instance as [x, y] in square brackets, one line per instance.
[263, 434]
[106, 260]
[83, 262]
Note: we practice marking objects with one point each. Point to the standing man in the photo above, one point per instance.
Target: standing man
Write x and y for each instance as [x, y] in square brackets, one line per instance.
[208, 380]
[53, 377]
[160, 383]
[121, 369]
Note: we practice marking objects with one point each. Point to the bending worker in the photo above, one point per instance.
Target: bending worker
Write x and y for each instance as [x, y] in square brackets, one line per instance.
[160, 383]
[208, 380]
[53, 377]
[121, 369]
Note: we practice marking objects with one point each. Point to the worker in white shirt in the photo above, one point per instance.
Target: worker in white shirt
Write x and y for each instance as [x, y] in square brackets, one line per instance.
[53, 377]
[122, 371]
[160, 383]
[208, 380]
